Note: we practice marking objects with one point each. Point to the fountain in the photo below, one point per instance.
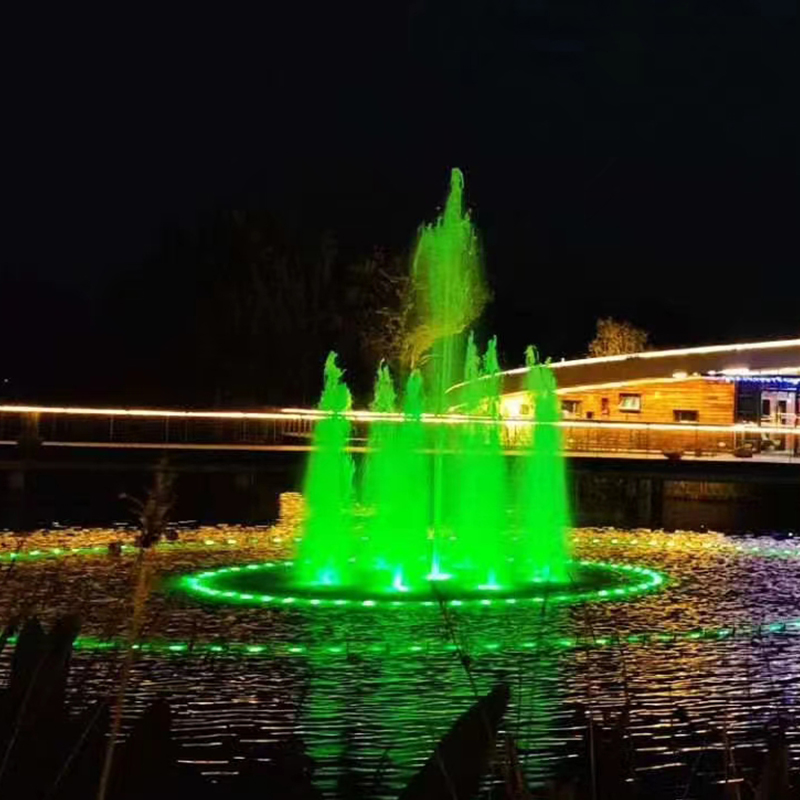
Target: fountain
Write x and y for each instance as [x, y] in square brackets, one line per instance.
[437, 496]
[442, 513]
[329, 488]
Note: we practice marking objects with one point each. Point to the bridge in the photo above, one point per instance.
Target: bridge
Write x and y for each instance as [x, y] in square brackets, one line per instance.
[32, 430]
[72, 463]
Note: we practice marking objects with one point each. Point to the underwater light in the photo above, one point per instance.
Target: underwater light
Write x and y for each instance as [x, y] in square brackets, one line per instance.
[597, 582]
[398, 584]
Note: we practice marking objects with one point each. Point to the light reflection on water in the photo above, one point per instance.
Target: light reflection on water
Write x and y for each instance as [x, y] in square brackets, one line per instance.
[364, 713]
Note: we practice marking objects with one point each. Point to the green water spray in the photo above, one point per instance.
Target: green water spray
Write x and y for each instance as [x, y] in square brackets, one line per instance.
[479, 493]
[327, 546]
[543, 503]
[449, 289]
[449, 293]
[437, 497]
[395, 490]
[378, 489]
[411, 547]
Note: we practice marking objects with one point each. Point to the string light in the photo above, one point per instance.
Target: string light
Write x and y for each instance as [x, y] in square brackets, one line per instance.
[545, 643]
[205, 585]
[743, 347]
[172, 648]
[445, 419]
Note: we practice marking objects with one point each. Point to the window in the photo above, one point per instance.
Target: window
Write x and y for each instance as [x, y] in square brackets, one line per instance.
[571, 408]
[630, 402]
[525, 409]
[605, 409]
[685, 415]
[766, 408]
[590, 415]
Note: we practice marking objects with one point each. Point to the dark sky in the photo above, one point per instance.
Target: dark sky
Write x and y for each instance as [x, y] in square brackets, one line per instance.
[632, 157]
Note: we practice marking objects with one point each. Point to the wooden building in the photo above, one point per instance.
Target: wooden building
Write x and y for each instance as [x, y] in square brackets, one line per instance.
[709, 400]
[752, 385]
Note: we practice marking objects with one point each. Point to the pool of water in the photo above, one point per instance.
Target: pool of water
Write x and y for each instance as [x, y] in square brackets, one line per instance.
[369, 691]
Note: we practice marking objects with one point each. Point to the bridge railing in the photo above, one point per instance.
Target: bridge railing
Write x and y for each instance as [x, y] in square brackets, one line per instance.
[278, 429]
[666, 440]
[682, 441]
[99, 427]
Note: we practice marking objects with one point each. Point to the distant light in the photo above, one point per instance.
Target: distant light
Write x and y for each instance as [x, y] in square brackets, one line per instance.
[736, 371]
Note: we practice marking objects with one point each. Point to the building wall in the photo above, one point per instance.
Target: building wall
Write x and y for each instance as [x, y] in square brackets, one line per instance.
[713, 401]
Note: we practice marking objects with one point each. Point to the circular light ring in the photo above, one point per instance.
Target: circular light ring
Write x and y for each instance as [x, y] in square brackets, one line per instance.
[639, 580]
[236, 649]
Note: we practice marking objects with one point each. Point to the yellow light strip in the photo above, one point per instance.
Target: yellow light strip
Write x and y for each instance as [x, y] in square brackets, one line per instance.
[284, 414]
[139, 412]
[681, 351]
[649, 354]
[450, 419]
[635, 382]
[383, 416]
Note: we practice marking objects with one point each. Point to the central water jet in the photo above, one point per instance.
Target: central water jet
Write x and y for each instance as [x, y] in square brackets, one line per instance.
[441, 509]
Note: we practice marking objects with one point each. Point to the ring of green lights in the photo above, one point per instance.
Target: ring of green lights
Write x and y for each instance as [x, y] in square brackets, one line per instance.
[635, 580]
[548, 643]
[222, 648]
[24, 556]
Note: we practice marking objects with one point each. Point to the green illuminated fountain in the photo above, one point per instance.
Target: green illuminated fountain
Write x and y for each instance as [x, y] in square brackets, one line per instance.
[396, 489]
[441, 513]
[542, 501]
[444, 511]
[328, 537]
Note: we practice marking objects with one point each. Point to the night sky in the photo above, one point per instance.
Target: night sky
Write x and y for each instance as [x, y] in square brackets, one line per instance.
[630, 158]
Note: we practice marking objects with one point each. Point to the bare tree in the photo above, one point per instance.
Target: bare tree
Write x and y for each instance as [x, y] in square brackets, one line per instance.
[152, 513]
[396, 321]
[615, 338]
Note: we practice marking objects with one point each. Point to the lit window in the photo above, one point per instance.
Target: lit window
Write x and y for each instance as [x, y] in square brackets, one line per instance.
[571, 408]
[685, 415]
[630, 402]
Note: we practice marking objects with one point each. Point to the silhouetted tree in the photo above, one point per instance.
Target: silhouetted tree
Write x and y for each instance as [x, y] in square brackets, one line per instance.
[243, 308]
[381, 289]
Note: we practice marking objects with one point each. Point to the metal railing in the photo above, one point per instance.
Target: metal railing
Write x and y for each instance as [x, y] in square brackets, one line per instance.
[685, 441]
[293, 429]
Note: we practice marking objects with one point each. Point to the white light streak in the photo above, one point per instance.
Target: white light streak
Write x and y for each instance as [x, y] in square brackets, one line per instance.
[448, 419]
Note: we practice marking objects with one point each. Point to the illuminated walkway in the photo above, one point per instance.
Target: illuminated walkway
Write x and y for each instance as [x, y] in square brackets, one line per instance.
[289, 430]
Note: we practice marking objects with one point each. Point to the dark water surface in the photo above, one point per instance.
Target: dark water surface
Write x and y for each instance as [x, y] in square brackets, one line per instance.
[371, 691]
[74, 488]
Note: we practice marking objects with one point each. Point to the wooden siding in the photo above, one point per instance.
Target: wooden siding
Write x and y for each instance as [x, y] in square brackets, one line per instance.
[713, 400]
